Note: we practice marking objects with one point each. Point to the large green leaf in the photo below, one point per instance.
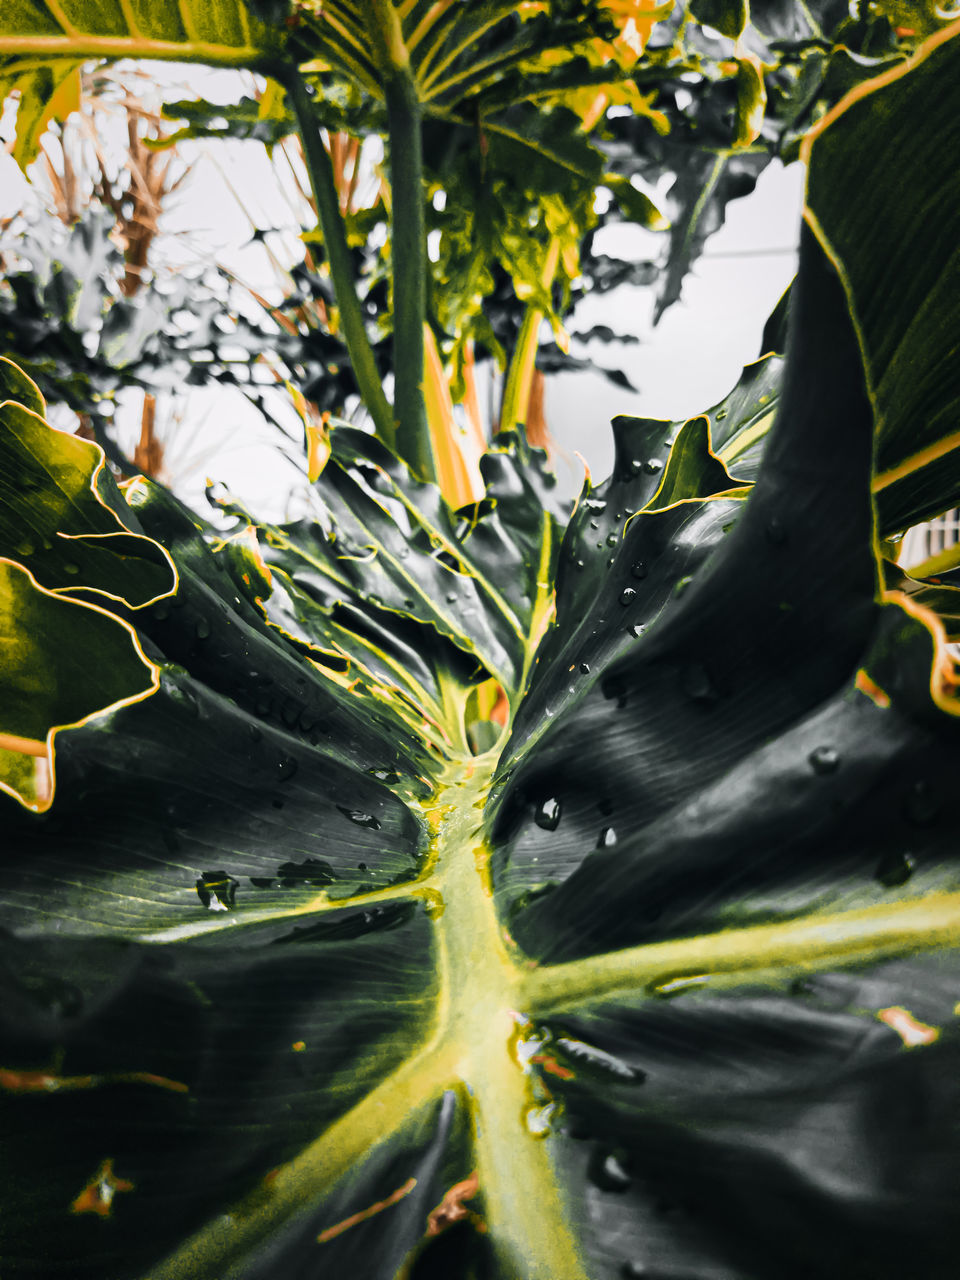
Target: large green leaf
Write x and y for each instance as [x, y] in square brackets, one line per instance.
[44, 44]
[294, 984]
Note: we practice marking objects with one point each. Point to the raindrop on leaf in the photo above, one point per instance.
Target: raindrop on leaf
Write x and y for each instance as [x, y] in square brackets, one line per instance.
[607, 1172]
[824, 760]
[384, 775]
[652, 466]
[584, 668]
[612, 539]
[678, 985]
[627, 596]
[607, 837]
[202, 628]
[547, 815]
[894, 869]
[286, 768]
[639, 570]
[71, 568]
[216, 890]
[360, 818]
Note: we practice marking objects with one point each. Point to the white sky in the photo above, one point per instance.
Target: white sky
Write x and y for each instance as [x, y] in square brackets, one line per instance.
[687, 363]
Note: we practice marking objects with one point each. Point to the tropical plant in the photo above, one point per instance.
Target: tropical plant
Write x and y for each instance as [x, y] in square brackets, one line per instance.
[310, 965]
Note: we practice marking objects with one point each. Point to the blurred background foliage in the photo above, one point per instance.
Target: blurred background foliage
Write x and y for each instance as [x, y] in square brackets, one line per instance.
[657, 115]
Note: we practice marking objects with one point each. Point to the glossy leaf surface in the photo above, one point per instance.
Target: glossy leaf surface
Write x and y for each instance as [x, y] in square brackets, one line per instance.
[662, 983]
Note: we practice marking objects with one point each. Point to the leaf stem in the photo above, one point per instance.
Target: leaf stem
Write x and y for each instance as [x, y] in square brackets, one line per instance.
[325, 193]
[516, 392]
[409, 241]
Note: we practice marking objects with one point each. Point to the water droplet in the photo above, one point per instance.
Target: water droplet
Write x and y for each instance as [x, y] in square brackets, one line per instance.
[607, 837]
[922, 804]
[216, 890]
[634, 467]
[611, 562]
[71, 568]
[408, 602]
[635, 1270]
[639, 570]
[290, 713]
[451, 599]
[894, 869]
[537, 1119]
[360, 818]
[584, 668]
[682, 585]
[384, 775]
[720, 415]
[775, 531]
[607, 1172]
[697, 684]
[637, 630]
[653, 466]
[286, 768]
[254, 731]
[202, 628]
[262, 882]
[579, 563]
[613, 539]
[627, 596]
[678, 985]
[25, 548]
[547, 816]
[824, 760]
[594, 524]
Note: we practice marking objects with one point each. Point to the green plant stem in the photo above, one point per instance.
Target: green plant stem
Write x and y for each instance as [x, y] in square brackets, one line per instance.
[325, 193]
[409, 242]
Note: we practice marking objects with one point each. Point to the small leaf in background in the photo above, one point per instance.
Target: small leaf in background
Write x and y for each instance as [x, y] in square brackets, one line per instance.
[636, 204]
[729, 17]
[751, 100]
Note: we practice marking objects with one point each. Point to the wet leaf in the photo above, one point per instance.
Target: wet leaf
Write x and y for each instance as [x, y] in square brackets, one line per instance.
[664, 980]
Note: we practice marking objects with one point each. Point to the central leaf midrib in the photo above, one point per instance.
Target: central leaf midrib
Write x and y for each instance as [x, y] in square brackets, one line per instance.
[480, 991]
